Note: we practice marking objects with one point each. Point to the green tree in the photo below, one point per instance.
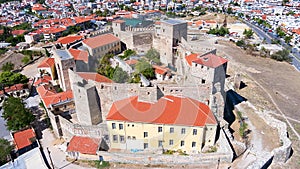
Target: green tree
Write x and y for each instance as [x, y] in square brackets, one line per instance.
[153, 55]
[128, 53]
[10, 78]
[288, 39]
[240, 43]
[219, 31]
[144, 68]
[282, 55]
[120, 76]
[8, 66]
[16, 115]
[248, 33]
[105, 68]
[280, 32]
[229, 10]
[5, 149]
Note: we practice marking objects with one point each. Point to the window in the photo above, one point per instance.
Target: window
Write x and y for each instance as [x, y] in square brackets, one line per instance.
[160, 143]
[171, 129]
[129, 138]
[171, 142]
[113, 125]
[194, 131]
[120, 126]
[145, 145]
[181, 143]
[145, 134]
[193, 144]
[122, 139]
[133, 138]
[159, 129]
[183, 131]
[115, 138]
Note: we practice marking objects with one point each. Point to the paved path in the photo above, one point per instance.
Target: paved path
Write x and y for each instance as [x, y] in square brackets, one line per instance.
[57, 155]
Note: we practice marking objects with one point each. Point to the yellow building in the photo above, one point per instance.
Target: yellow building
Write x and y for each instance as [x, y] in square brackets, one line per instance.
[171, 123]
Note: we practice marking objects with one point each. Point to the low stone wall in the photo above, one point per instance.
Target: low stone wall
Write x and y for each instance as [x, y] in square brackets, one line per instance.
[277, 155]
[130, 158]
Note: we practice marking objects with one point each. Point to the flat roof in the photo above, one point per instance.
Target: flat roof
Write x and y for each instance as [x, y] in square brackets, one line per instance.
[63, 54]
[31, 159]
[174, 21]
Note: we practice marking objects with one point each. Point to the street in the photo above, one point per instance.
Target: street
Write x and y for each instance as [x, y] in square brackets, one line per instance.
[268, 39]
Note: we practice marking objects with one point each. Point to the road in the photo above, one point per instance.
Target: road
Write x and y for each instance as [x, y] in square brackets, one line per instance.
[268, 38]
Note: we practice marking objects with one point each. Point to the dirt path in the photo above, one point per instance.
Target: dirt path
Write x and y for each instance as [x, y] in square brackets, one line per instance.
[275, 86]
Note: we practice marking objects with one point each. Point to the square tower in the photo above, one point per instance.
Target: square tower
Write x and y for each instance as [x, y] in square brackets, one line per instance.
[63, 62]
[170, 34]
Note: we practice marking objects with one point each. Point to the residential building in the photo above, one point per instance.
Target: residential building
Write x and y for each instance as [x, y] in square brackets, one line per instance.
[172, 123]
[69, 40]
[24, 140]
[99, 46]
[47, 66]
[16, 90]
[85, 147]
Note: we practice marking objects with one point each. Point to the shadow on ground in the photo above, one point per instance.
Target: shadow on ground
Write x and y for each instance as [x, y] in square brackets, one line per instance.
[232, 99]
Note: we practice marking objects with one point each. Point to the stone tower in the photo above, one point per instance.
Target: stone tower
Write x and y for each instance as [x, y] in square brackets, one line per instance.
[170, 35]
[63, 62]
[87, 101]
[118, 26]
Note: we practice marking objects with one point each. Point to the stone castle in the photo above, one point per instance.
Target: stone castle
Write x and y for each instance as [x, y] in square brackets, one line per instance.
[199, 76]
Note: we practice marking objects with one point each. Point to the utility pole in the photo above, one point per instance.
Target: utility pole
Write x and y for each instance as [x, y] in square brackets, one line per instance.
[50, 158]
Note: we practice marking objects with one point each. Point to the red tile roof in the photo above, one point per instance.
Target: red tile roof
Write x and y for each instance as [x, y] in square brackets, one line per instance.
[210, 60]
[18, 32]
[22, 138]
[38, 7]
[131, 62]
[48, 62]
[81, 19]
[43, 80]
[118, 21]
[199, 23]
[160, 70]
[15, 87]
[79, 54]
[101, 40]
[50, 97]
[167, 110]
[84, 145]
[190, 58]
[210, 21]
[69, 39]
[95, 77]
